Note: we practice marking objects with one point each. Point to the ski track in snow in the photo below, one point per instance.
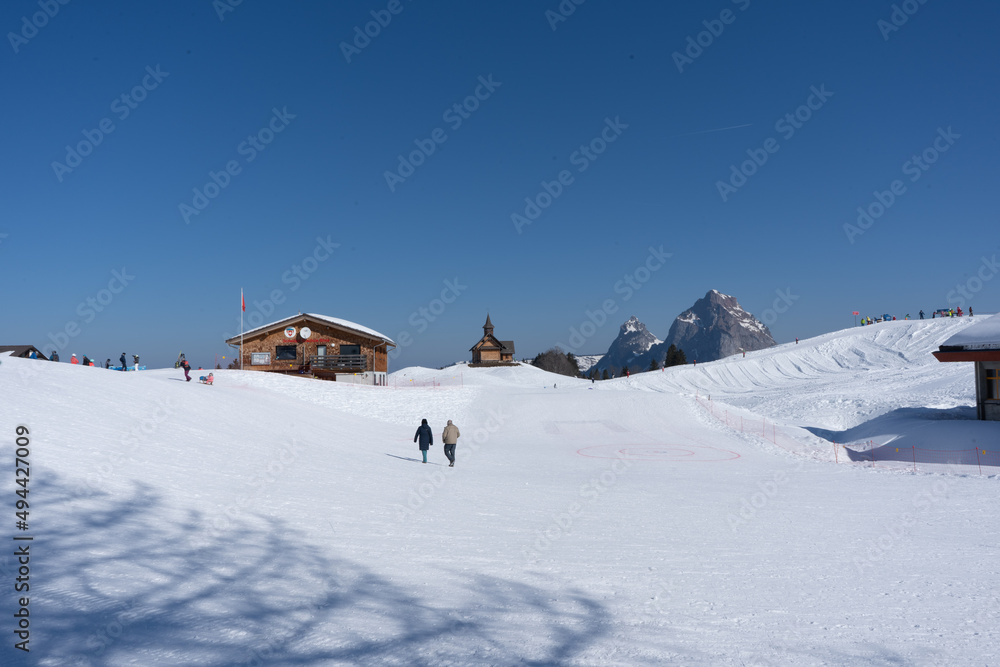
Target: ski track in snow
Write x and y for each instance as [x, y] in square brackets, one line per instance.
[282, 521]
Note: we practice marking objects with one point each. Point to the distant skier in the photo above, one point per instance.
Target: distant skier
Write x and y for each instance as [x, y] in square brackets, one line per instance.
[180, 358]
[450, 439]
[187, 370]
[921, 314]
[970, 315]
[135, 358]
[73, 359]
[86, 360]
[55, 356]
[425, 437]
[796, 341]
[122, 359]
[107, 364]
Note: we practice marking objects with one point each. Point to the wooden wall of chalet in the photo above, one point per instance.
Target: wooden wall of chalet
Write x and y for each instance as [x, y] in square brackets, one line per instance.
[304, 349]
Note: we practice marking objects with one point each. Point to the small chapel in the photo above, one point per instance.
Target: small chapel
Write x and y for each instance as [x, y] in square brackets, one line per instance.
[490, 351]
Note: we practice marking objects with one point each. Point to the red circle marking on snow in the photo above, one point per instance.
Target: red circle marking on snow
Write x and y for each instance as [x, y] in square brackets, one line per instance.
[686, 453]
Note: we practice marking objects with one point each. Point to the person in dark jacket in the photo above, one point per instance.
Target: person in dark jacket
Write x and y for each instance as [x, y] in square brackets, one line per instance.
[107, 364]
[122, 359]
[425, 437]
[86, 360]
[55, 356]
[187, 370]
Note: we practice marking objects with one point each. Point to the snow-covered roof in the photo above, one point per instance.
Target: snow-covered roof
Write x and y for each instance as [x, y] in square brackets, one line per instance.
[335, 321]
[984, 335]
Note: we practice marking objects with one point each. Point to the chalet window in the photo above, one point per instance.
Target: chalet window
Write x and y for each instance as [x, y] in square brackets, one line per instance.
[350, 349]
[993, 383]
[284, 353]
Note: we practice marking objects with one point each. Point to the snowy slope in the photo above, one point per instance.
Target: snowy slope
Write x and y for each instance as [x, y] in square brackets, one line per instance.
[281, 521]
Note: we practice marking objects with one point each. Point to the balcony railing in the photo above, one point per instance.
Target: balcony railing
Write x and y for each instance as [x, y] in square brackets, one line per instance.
[339, 362]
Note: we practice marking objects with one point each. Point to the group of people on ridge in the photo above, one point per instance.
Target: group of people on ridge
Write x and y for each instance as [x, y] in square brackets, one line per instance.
[426, 438]
[87, 361]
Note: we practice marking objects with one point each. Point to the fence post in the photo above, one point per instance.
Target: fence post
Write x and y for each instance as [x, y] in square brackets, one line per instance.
[979, 462]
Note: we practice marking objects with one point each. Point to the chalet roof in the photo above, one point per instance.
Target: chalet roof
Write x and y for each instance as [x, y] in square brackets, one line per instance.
[983, 335]
[508, 346]
[979, 342]
[22, 351]
[323, 319]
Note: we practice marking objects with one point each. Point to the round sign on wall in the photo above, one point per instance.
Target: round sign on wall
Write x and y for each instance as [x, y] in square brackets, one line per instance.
[305, 332]
[290, 332]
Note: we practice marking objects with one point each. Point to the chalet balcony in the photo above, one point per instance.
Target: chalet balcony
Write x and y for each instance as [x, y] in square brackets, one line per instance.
[339, 363]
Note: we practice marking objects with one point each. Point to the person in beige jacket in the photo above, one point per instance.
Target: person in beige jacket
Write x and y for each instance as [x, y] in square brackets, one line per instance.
[450, 439]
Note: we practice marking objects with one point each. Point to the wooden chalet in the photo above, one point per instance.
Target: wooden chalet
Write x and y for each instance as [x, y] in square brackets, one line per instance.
[980, 344]
[23, 351]
[491, 351]
[319, 346]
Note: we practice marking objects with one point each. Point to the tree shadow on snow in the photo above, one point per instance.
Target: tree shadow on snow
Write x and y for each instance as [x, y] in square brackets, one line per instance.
[124, 578]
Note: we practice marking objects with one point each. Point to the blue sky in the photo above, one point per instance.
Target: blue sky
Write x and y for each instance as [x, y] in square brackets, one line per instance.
[290, 121]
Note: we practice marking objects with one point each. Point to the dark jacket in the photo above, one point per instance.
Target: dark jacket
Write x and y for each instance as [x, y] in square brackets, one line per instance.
[424, 435]
[122, 359]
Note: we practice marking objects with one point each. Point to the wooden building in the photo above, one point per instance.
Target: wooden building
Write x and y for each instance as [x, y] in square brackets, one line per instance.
[318, 346]
[490, 350]
[980, 344]
[23, 351]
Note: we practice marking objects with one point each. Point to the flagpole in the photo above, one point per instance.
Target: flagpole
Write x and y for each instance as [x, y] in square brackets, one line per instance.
[242, 308]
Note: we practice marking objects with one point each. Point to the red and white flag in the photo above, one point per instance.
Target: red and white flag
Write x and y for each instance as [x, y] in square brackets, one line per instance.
[243, 301]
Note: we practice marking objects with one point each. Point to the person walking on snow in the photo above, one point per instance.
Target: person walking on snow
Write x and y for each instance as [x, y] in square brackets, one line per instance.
[73, 359]
[425, 436]
[187, 370]
[450, 439]
[122, 359]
